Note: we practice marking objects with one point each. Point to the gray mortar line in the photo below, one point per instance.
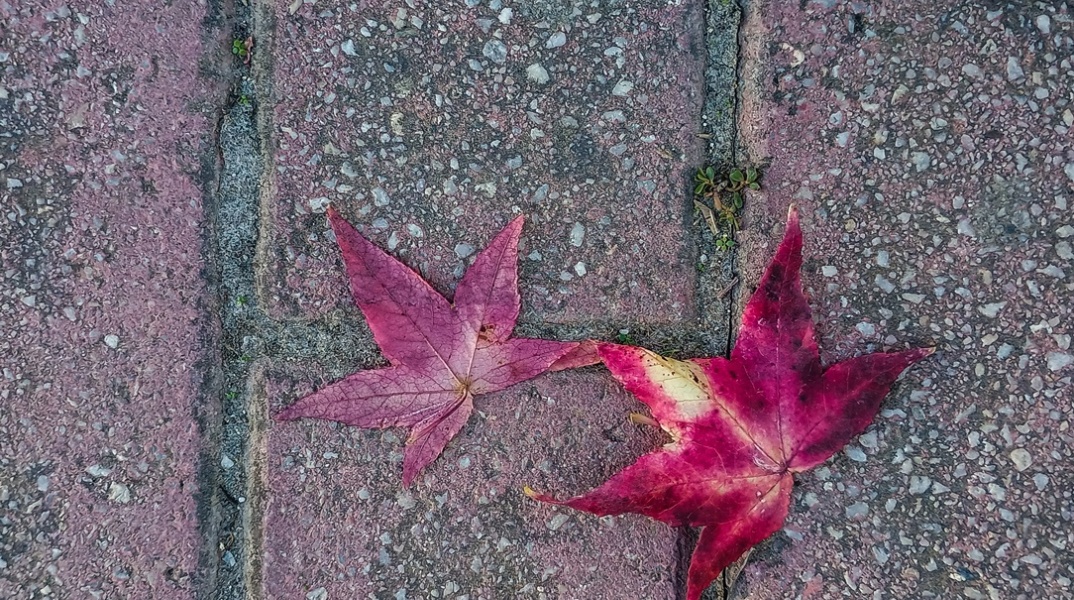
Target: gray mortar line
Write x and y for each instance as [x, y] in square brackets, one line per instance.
[723, 20]
[235, 231]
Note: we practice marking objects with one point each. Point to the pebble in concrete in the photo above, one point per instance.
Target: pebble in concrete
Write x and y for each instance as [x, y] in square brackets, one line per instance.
[338, 519]
[928, 146]
[465, 118]
[101, 307]
[452, 120]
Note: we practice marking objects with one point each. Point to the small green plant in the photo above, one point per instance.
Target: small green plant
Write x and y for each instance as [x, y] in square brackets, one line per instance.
[243, 48]
[725, 242]
[718, 199]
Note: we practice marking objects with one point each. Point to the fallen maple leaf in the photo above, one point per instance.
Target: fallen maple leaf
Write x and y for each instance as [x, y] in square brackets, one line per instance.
[441, 354]
[741, 427]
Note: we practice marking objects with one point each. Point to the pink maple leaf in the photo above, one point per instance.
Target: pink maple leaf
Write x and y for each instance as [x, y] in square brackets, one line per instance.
[441, 354]
[742, 427]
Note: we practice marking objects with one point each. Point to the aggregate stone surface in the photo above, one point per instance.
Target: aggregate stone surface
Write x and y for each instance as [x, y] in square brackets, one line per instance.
[338, 523]
[927, 144]
[431, 124]
[929, 148]
[100, 319]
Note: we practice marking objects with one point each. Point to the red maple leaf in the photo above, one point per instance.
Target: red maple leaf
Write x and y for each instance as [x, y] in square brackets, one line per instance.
[441, 354]
[741, 427]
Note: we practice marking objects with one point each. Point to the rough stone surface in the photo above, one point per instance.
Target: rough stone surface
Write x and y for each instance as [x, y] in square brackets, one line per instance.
[926, 145]
[431, 125]
[100, 307]
[337, 517]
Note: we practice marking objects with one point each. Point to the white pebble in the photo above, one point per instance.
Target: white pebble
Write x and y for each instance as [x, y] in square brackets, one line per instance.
[556, 40]
[1021, 459]
[577, 234]
[1014, 70]
[855, 454]
[405, 500]
[112, 341]
[992, 309]
[98, 471]
[463, 250]
[921, 160]
[557, 521]
[1064, 251]
[858, 509]
[919, 484]
[117, 492]
[623, 88]
[537, 73]
[1059, 360]
[1044, 24]
[495, 51]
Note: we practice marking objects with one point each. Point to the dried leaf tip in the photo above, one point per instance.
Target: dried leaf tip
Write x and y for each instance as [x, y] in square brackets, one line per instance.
[539, 496]
[643, 419]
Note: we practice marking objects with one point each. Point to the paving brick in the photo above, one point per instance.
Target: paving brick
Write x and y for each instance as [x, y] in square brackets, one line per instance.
[430, 125]
[928, 146]
[100, 306]
[338, 519]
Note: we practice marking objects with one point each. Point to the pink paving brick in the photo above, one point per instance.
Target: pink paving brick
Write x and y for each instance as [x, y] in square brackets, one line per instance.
[928, 146]
[431, 125]
[100, 244]
[338, 520]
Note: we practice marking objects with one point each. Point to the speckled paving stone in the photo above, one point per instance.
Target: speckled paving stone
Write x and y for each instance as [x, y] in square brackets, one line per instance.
[431, 124]
[338, 523]
[100, 212]
[929, 146]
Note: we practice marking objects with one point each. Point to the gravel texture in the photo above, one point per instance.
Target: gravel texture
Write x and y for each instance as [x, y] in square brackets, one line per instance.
[928, 146]
[432, 124]
[169, 280]
[102, 303]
